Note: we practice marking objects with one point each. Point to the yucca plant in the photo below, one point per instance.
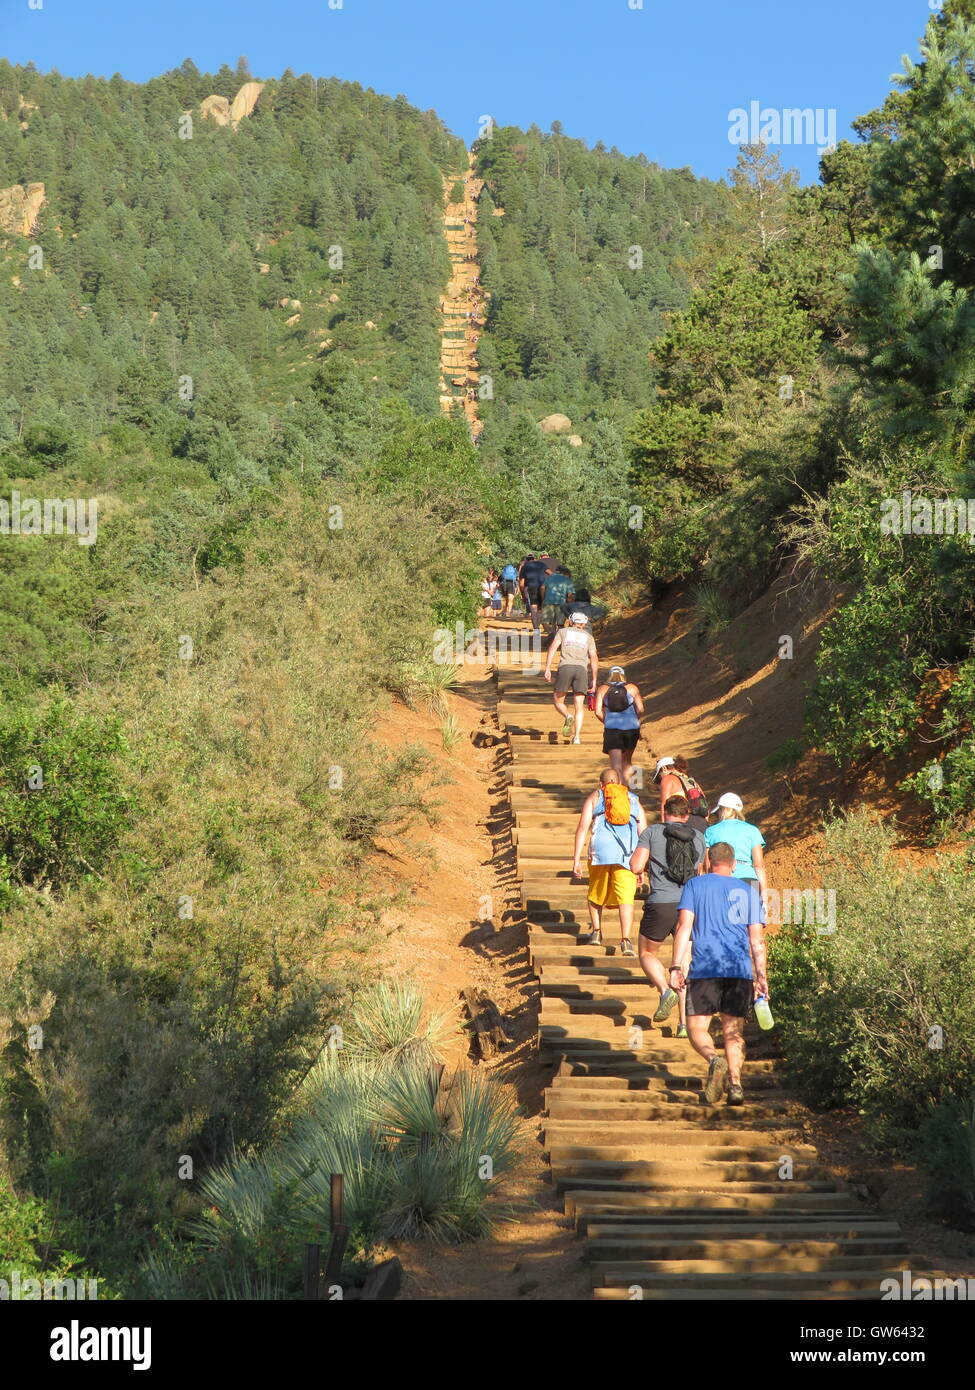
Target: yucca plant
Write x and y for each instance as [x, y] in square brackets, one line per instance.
[388, 1025]
[711, 608]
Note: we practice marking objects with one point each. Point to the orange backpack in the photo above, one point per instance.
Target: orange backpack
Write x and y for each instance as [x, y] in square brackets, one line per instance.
[616, 799]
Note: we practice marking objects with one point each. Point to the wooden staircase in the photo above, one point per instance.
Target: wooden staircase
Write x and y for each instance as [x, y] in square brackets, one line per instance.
[462, 303]
[673, 1198]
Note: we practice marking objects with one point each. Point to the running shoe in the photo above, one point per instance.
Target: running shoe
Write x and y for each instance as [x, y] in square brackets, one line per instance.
[736, 1096]
[577, 740]
[717, 1080]
[667, 1005]
[626, 948]
[591, 938]
[567, 726]
[681, 1032]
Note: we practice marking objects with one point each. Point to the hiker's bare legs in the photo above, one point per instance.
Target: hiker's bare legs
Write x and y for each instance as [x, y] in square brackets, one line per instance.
[580, 714]
[595, 917]
[734, 1046]
[626, 921]
[650, 963]
[700, 1038]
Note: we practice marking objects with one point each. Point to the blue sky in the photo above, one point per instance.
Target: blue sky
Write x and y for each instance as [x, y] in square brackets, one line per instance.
[661, 79]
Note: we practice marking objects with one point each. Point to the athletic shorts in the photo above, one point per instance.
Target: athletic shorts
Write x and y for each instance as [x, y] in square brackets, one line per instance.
[720, 997]
[623, 739]
[509, 587]
[610, 885]
[658, 920]
[572, 678]
[532, 595]
[553, 614]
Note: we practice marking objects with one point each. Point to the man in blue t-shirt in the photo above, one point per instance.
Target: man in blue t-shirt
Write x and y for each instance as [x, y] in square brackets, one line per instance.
[727, 970]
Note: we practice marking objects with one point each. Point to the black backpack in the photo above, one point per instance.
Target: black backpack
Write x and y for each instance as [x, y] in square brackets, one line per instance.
[617, 698]
[680, 852]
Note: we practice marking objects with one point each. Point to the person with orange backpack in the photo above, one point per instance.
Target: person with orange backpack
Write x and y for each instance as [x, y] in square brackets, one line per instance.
[676, 780]
[614, 820]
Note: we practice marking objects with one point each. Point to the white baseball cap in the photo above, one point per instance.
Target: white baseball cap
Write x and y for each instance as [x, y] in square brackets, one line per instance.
[731, 801]
[664, 762]
[579, 618]
[617, 668]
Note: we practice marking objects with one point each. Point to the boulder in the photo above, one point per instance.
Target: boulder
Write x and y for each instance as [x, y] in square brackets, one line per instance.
[290, 323]
[555, 424]
[333, 299]
[575, 440]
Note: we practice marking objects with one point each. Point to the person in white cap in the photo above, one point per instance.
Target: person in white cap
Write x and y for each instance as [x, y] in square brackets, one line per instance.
[675, 779]
[577, 654]
[619, 708]
[745, 839]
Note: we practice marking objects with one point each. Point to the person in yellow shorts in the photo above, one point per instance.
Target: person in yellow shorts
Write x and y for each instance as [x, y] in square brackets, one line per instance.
[612, 884]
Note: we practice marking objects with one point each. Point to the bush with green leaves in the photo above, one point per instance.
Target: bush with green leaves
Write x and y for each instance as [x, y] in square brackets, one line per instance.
[946, 1150]
[948, 783]
[35, 1245]
[64, 807]
[410, 1141]
[880, 1014]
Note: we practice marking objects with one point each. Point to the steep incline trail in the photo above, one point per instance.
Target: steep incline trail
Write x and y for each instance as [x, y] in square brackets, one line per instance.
[461, 305]
[674, 1199]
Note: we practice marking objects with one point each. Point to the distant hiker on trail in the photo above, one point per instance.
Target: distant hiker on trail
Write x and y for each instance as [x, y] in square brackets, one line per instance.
[675, 780]
[746, 840]
[509, 587]
[583, 604]
[577, 654]
[488, 586]
[556, 596]
[619, 707]
[533, 576]
[671, 852]
[615, 819]
[727, 972]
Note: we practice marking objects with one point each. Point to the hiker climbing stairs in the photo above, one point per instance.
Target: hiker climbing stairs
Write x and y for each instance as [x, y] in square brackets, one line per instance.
[462, 303]
[672, 1198]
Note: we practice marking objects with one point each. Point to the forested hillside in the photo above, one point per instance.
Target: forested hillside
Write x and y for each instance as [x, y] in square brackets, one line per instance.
[168, 257]
[583, 252]
[282, 520]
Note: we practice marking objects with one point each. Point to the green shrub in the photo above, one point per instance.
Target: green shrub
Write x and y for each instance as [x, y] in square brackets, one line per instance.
[411, 1150]
[785, 756]
[881, 1013]
[63, 806]
[946, 1151]
[948, 785]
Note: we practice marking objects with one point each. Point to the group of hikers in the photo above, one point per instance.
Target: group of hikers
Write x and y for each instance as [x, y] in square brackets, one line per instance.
[704, 870]
[706, 887]
[545, 588]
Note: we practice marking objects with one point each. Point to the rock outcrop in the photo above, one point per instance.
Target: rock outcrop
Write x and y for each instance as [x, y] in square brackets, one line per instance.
[226, 112]
[20, 208]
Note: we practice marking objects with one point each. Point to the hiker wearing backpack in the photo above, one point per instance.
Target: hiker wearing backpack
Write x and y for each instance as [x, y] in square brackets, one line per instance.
[577, 654]
[619, 707]
[676, 780]
[613, 819]
[727, 971]
[556, 592]
[509, 587]
[671, 852]
[746, 840]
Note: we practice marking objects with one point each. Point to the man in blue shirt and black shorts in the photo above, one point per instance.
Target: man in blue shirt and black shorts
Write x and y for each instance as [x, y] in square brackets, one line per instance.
[728, 966]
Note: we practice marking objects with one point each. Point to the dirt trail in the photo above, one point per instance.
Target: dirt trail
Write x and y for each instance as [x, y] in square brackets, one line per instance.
[462, 303]
[613, 1137]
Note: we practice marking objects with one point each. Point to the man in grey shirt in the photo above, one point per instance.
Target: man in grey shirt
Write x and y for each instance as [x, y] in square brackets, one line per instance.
[671, 852]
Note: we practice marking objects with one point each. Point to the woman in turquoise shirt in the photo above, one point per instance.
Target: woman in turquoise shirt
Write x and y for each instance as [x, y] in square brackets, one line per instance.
[745, 839]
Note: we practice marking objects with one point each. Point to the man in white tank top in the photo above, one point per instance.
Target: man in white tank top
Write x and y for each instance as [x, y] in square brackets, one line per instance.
[577, 654]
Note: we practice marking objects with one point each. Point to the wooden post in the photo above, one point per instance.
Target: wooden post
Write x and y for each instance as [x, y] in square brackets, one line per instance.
[312, 1271]
[340, 1232]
